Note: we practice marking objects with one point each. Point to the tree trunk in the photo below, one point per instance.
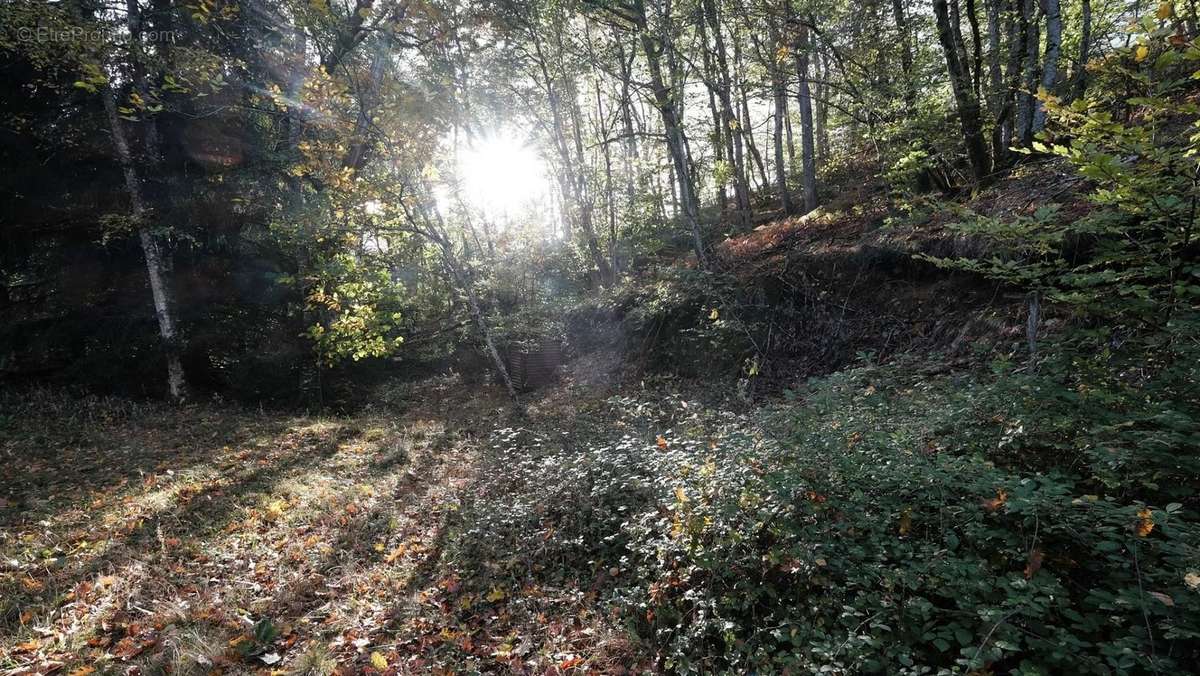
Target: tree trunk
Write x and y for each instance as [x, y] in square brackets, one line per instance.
[746, 131]
[630, 148]
[964, 96]
[1053, 14]
[463, 279]
[667, 110]
[572, 175]
[1025, 100]
[996, 98]
[779, 89]
[609, 189]
[976, 50]
[729, 127]
[808, 181]
[160, 286]
[1085, 39]
[906, 55]
[821, 107]
[720, 129]
[1006, 124]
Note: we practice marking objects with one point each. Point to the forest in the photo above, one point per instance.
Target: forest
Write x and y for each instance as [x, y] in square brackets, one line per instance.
[599, 337]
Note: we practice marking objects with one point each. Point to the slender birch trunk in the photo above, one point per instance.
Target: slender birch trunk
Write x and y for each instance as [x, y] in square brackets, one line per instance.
[160, 286]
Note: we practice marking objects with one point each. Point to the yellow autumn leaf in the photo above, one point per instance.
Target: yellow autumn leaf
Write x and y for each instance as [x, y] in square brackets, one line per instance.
[495, 594]
[681, 495]
[277, 507]
[905, 521]
[1145, 522]
[1166, 10]
[1141, 53]
[379, 661]
[714, 315]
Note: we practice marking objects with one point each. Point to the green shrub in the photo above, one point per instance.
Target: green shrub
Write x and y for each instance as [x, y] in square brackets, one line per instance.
[896, 525]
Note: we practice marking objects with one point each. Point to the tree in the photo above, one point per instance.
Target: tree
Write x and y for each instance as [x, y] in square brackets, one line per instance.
[808, 182]
[964, 94]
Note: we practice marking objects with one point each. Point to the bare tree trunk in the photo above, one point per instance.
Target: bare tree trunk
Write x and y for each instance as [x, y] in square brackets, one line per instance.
[779, 91]
[630, 148]
[964, 97]
[572, 172]
[1085, 39]
[995, 69]
[906, 55]
[997, 98]
[976, 50]
[160, 287]
[463, 279]
[808, 181]
[791, 143]
[730, 125]
[667, 110]
[1006, 124]
[1049, 60]
[720, 131]
[609, 192]
[1025, 100]
[746, 130]
[821, 107]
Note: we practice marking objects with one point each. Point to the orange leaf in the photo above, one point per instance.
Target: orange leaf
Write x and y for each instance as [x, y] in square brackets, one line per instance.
[662, 443]
[1145, 522]
[996, 502]
[28, 646]
[396, 553]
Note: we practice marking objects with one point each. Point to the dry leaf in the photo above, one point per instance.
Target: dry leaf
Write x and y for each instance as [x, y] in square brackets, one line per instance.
[379, 661]
[1145, 522]
[1166, 600]
[996, 502]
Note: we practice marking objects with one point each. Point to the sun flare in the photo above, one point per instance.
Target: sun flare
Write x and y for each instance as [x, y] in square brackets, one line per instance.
[501, 175]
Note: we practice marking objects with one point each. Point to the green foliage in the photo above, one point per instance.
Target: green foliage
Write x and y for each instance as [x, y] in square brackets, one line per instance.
[895, 525]
[674, 319]
[358, 307]
[1130, 259]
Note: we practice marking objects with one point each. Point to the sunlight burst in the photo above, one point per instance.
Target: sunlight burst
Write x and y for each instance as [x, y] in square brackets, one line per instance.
[501, 175]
